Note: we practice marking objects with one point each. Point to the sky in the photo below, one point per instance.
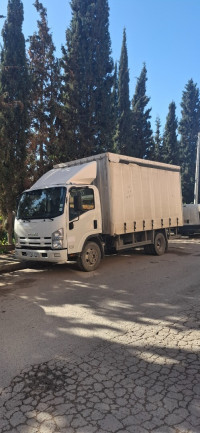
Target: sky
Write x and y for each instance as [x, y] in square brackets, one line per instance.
[164, 34]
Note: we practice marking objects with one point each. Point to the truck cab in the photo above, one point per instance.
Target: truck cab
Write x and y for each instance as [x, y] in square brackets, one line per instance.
[55, 222]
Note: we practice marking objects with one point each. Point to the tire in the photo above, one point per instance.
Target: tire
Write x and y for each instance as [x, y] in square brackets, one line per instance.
[160, 244]
[90, 257]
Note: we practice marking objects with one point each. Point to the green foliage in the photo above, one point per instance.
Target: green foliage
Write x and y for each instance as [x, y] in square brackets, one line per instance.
[189, 127]
[170, 148]
[115, 111]
[14, 121]
[3, 236]
[45, 83]
[154, 151]
[56, 110]
[3, 233]
[141, 126]
[87, 64]
[124, 114]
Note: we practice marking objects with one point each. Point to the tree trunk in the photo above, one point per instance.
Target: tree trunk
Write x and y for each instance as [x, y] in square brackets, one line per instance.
[10, 227]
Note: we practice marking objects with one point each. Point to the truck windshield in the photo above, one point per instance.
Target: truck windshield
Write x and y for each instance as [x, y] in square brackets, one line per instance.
[42, 203]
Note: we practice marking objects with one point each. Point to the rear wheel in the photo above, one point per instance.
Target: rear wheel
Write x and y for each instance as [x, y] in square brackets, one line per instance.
[90, 257]
[160, 244]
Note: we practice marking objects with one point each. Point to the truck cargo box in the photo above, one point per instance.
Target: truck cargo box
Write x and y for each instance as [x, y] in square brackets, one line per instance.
[136, 194]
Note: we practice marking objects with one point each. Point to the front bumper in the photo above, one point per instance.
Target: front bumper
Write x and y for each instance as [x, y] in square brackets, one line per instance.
[55, 256]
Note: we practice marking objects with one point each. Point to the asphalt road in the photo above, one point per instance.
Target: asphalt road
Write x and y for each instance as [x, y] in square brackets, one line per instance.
[116, 350]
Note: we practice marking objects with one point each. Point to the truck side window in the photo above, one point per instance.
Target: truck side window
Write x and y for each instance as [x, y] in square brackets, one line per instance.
[81, 200]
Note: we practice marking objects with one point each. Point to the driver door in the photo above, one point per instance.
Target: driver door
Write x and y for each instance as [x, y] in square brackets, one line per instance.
[84, 217]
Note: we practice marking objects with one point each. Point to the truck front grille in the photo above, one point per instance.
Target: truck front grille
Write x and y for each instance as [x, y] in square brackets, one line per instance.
[35, 243]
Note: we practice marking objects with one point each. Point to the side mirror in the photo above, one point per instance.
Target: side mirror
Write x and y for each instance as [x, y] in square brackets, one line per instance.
[71, 225]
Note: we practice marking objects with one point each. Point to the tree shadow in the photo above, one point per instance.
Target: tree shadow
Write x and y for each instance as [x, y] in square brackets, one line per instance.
[109, 340]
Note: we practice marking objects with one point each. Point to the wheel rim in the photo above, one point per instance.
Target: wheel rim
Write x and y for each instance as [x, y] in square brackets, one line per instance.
[159, 244]
[91, 256]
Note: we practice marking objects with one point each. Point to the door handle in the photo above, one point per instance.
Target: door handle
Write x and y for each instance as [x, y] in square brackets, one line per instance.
[95, 224]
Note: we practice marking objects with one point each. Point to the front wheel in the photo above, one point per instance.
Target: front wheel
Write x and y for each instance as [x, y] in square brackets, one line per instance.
[90, 257]
[160, 244]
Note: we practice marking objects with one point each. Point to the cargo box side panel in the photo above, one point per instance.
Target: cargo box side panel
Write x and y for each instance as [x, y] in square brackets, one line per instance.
[168, 198]
[103, 184]
[132, 199]
[143, 198]
[126, 193]
[175, 199]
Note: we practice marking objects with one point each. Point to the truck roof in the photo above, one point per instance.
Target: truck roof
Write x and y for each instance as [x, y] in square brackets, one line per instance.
[62, 175]
[84, 171]
[114, 157]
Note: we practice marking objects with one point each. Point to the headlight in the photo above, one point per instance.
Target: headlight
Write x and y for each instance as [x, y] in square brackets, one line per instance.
[57, 245]
[57, 239]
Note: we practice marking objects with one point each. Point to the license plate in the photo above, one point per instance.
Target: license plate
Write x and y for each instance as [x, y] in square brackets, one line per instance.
[32, 254]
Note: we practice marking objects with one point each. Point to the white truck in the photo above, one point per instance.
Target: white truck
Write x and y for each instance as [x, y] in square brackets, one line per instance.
[83, 208]
[191, 220]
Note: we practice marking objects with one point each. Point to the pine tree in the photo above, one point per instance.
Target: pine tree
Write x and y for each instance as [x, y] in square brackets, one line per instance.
[170, 148]
[88, 79]
[141, 126]
[189, 127]
[14, 121]
[124, 125]
[45, 76]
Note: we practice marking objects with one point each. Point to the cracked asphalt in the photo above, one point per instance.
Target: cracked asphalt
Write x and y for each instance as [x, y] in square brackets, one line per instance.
[117, 351]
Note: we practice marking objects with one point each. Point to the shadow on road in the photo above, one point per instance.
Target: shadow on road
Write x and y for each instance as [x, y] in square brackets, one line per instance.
[126, 335]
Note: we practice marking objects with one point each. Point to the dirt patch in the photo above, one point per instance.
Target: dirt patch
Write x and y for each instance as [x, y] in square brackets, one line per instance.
[24, 282]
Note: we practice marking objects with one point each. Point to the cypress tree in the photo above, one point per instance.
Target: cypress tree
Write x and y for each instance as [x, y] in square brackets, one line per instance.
[14, 122]
[170, 148]
[189, 127]
[154, 152]
[88, 79]
[124, 127]
[157, 141]
[141, 126]
[45, 77]
[115, 110]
